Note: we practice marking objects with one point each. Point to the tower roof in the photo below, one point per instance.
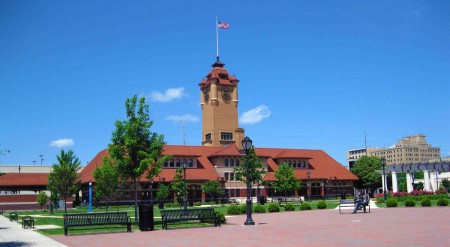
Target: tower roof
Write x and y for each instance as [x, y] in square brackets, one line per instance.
[219, 73]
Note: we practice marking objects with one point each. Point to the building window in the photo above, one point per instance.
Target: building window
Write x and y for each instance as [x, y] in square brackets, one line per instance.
[172, 164]
[231, 162]
[190, 163]
[177, 163]
[237, 162]
[226, 162]
[226, 136]
[208, 137]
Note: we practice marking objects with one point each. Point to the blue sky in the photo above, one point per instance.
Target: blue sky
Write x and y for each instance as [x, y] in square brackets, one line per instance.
[314, 75]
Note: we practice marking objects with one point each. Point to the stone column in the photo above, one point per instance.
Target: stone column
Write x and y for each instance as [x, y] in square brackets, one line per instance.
[383, 180]
[394, 182]
[409, 187]
[433, 181]
[426, 176]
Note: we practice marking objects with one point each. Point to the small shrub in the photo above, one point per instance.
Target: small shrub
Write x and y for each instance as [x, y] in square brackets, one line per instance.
[242, 209]
[273, 208]
[221, 217]
[233, 210]
[305, 206]
[442, 202]
[391, 203]
[259, 209]
[168, 204]
[410, 203]
[425, 202]
[380, 199]
[211, 203]
[289, 207]
[197, 204]
[321, 205]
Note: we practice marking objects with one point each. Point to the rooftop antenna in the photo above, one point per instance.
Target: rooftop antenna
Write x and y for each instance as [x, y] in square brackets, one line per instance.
[40, 155]
[365, 140]
[182, 126]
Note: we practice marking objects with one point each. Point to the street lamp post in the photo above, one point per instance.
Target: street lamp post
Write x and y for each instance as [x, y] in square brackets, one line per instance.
[383, 163]
[309, 187]
[90, 197]
[184, 166]
[247, 145]
[151, 191]
[51, 196]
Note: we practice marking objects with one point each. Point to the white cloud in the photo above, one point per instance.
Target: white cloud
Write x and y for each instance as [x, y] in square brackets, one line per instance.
[182, 118]
[168, 95]
[62, 143]
[255, 115]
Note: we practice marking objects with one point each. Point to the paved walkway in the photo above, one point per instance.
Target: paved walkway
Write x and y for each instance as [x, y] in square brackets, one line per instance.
[13, 235]
[382, 227]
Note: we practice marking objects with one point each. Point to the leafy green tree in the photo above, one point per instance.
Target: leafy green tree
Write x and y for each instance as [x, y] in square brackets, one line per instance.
[178, 185]
[107, 183]
[285, 179]
[366, 169]
[134, 148]
[64, 175]
[212, 188]
[163, 193]
[256, 169]
[42, 198]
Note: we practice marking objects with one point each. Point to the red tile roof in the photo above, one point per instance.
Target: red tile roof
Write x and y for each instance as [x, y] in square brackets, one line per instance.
[322, 165]
[220, 73]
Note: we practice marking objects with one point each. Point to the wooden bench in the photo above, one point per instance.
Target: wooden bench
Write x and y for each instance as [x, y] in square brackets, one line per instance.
[201, 214]
[13, 216]
[96, 219]
[283, 200]
[27, 222]
[350, 204]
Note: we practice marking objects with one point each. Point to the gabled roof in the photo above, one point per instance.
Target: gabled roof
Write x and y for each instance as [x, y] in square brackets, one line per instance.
[322, 166]
[229, 150]
[24, 179]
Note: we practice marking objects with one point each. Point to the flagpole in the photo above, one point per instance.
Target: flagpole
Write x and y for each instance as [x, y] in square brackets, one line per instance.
[217, 39]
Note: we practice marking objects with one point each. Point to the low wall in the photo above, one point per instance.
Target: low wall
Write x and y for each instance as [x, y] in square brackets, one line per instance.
[24, 202]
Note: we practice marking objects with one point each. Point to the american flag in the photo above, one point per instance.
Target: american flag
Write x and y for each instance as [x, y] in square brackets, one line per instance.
[223, 25]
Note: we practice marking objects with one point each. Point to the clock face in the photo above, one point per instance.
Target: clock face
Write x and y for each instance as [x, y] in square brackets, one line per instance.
[226, 95]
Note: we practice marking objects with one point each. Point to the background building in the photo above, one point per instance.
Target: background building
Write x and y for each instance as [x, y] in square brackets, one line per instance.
[409, 149]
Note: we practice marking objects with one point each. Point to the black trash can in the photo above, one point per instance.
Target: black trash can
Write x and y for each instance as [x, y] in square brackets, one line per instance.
[146, 222]
[262, 200]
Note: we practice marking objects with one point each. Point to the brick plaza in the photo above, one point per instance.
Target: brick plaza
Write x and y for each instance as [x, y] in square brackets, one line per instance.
[382, 227]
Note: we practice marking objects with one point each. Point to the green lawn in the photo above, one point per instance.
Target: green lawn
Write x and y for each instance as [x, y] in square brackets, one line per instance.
[45, 218]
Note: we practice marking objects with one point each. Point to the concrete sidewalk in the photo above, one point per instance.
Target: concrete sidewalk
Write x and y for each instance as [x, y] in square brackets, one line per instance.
[12, 235]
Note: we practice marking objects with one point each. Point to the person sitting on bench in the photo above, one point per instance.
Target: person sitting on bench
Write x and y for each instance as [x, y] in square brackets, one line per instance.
[362, 201]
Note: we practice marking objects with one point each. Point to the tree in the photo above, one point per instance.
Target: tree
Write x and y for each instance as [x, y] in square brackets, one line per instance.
[285, 179]
[163, 193]
[212, 188]
[134, 148]
[42, 198]
[64, 175]
[256, 169]
[366, 169]
[178, 185]
[107, 183]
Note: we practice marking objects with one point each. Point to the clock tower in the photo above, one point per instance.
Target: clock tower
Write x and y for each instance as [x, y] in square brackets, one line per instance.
[219, 103]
